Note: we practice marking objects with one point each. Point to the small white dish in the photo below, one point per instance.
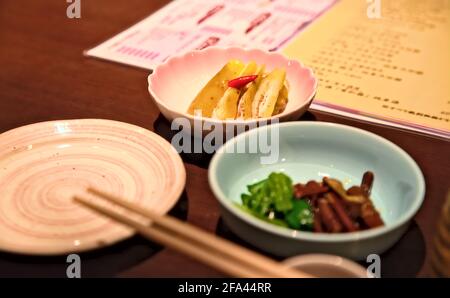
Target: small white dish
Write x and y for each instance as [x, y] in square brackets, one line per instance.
[43, 165]
[328, 266]
[174, 84]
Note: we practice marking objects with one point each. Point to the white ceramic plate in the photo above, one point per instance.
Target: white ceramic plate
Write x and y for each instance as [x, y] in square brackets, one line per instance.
[43, 165]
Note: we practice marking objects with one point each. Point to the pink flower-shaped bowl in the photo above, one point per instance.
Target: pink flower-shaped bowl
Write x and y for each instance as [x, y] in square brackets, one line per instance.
[175, 83]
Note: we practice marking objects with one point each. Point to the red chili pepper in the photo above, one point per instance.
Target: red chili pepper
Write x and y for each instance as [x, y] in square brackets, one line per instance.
[241, 81]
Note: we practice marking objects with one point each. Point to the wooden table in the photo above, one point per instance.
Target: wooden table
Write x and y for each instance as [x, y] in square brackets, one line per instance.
[44, 76]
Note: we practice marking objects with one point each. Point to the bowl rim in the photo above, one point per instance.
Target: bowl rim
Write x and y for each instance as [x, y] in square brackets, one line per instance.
[335, 261]
[319, 237]
[184, 55]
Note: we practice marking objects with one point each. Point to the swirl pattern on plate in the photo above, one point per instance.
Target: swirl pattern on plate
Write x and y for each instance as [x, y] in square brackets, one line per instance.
[43, 165]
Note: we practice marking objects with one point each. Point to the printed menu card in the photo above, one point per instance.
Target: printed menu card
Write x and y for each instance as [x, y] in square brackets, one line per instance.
[185, 25]
[392, 67]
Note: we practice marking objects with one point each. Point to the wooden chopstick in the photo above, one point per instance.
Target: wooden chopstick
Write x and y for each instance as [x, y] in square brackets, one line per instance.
[194, 233]
[201, 245]
[175, 243]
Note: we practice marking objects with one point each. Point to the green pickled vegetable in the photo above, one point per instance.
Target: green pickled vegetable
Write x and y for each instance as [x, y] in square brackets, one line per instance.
[274, 221]
[258, 200]
[272, 200]
[272, 194]
[280, 190]
[301, 217]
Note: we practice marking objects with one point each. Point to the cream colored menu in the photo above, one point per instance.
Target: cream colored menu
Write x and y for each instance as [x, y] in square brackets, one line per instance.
[395, 68]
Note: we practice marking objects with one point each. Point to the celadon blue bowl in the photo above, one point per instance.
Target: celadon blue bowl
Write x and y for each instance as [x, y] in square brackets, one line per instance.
[312, 150]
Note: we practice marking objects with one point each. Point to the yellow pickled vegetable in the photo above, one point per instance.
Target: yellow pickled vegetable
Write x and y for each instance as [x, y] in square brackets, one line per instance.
[242, 91]
[245, 103]
[266, 96]
[227, 106]
[210, 95]
[281, 101]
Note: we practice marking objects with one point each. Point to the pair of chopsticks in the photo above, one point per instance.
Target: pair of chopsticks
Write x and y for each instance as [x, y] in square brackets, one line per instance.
[205, 247]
